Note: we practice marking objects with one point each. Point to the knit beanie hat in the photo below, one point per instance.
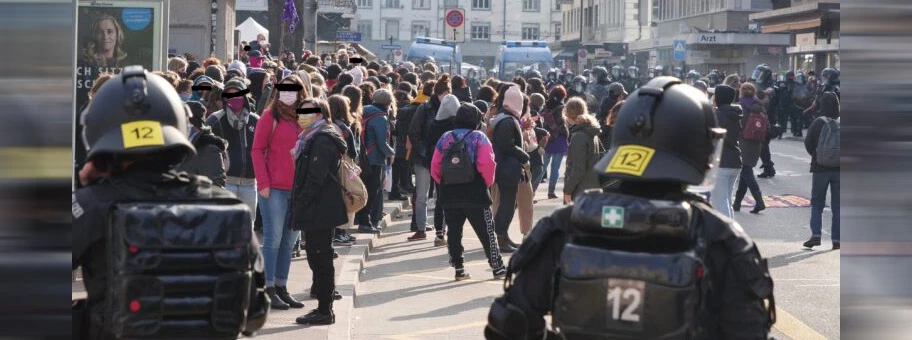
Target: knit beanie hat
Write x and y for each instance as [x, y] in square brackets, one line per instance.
[448, 107]
[215, 73]
[467, 117]
[239, 67]
[513, 101]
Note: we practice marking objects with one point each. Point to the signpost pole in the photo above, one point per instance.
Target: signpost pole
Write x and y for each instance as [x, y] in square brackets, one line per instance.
[453, 65]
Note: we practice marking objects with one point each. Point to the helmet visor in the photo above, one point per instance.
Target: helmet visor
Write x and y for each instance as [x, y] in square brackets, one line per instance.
[709, 181]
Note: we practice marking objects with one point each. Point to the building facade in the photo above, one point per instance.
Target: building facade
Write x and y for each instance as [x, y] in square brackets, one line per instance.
[487, 24]
[717, 35]
[190, 29]
[603, 29]
[814, 28]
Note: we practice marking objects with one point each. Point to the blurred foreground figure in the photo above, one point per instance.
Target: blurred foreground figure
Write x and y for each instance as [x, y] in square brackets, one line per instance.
[164, 254]
[647, 260]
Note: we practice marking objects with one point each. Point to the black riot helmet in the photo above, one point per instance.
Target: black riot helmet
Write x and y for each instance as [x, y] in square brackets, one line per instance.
[800, 78]
[665, 132]
[615, 71]
[633, 72]
[692, 77]
[552, 75]
[600, 74]
[579, 84]
[714, 78]
[762, 75]
[533, 73]
[790, 76]
[136, 112]
[830, 76]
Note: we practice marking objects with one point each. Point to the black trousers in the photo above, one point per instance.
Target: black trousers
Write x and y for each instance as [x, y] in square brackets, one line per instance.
[483, 224]
[401, 177]
[507, 207]
[370, 214]
[318, 246]
[765, 157]
[439, 216]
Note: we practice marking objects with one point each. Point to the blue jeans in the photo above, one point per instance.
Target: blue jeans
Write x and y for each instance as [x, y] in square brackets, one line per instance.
[278, 241]
[721, 196]
[248, 195]
[554, 171]
[820, 182]
[422, 187]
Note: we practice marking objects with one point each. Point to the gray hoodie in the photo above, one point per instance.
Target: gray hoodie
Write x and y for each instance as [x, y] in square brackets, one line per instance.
[448, 107]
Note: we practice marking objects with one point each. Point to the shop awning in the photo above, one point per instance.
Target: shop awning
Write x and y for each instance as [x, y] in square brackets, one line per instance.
[791, 26]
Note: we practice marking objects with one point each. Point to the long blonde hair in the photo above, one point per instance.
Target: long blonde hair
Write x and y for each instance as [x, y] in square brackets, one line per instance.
[90, 52]
[576, 113]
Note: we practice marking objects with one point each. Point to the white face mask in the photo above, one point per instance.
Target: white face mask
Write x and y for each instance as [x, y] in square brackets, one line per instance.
[288, 97]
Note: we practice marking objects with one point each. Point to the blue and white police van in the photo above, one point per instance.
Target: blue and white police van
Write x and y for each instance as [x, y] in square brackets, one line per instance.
[522, 56]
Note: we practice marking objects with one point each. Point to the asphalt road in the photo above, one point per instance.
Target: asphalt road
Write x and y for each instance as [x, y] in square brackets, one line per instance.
[408, 292]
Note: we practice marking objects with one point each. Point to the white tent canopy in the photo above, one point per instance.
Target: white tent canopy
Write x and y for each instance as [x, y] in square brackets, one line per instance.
[249, 30]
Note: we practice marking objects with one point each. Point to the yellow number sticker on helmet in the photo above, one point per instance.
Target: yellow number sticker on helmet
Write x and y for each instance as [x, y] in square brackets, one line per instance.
[142, 133]
[631, 160]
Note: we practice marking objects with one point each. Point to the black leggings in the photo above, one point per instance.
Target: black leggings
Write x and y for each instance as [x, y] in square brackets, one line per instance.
[318, 246]
[480, 219]
[507, 207]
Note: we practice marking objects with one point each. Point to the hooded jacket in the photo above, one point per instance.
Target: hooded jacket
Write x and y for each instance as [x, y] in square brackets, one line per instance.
[508, 147]
[418, 132]
[729, 117]
[829, 109]
[240, 142]
[316, 198]
[582, 155]
[376, 135]
[211, 159]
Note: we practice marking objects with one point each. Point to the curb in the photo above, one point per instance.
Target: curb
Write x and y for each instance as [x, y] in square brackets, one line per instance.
[350, 275]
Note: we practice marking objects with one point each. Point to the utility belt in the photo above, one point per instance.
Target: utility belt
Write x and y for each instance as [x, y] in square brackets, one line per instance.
[240, 180]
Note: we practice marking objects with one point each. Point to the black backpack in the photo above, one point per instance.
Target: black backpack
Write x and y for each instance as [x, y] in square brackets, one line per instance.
[458, 166]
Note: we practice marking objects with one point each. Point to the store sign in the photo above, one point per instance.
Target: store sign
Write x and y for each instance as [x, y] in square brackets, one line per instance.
[708, 38]
[805, 39]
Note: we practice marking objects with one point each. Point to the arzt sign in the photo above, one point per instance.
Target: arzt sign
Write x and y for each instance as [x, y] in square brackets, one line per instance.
[706, 38]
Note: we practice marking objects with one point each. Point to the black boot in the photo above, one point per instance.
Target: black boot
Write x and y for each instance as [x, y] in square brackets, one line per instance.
[315, 317]
[510, 242]
[275, 301]
[505, 247]
[814, 241]
[759, 205]
[282, 293]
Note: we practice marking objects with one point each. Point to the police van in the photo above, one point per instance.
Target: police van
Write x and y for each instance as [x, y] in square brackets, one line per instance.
[523, 56]
[442, 51]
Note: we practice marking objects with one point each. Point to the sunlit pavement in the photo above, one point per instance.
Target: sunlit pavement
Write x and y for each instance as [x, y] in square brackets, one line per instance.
[408, 291]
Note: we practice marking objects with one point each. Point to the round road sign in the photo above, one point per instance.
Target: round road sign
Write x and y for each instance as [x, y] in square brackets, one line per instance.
[398, 53]
[582, 54]
[454, 18]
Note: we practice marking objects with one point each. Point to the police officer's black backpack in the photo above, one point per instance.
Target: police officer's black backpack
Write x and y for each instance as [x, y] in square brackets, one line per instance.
[635, 268]
[182, 268]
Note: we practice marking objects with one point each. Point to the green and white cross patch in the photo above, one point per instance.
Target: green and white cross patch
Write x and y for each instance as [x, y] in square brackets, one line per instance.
[612, 217]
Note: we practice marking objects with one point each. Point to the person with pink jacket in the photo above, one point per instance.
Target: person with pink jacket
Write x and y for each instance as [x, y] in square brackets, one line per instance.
[469, 201]
[276, 135]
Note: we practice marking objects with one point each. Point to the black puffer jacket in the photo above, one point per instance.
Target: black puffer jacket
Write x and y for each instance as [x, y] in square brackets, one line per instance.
[316, 197]
[211, 158]
[508, 148]
[729, 118]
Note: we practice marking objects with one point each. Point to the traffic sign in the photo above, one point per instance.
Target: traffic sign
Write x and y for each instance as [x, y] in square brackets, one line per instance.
[397, 53]
[582, 54]
[391, 47]
[348, 36]
[455, 17]
[680, 50]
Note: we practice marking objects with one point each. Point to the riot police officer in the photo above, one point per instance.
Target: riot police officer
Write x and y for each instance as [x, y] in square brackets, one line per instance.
[762, 77]
[598, 90]
[714, 77]
[633, 76]
[552, 79]
[577, 88]
[677, 72]
[184, 257]
[692, 76]
[787, 90]
[668, 265]
[830, 80]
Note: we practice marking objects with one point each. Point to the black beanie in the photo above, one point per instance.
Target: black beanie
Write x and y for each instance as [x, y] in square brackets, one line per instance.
[467, 117]
[725, 94]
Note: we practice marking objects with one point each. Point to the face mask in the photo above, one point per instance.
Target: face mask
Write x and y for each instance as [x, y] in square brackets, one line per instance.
[288, 97]
[236, 103]
[306, 121]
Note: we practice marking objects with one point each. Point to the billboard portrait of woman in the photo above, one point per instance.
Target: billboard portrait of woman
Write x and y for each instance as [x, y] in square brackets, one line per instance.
[104, 46]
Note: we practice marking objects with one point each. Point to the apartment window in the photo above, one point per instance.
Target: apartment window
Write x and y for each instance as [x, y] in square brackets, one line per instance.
[366, 29]
[557, 31]
[365, 3]
[392, 4]
[530, 32]
[481, 4]
[557, 5]
[392, 29]
[421, 29]
[481, 31]
[531, 5]
[421, 4]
